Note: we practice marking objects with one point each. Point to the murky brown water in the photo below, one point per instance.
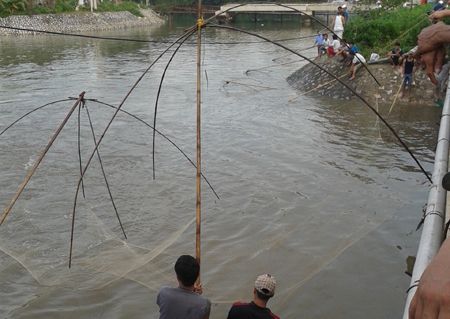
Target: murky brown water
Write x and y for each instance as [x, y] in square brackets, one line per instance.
[312, 191]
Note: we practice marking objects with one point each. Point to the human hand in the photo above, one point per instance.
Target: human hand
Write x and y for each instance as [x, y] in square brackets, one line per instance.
[437, 15]
[198, 288]
[431, 50]
[432, 298]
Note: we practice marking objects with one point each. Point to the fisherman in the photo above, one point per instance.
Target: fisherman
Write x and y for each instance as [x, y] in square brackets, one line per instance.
[358, 58]
[318, 41]
[184, 302]
[334, 47]
[264, 290]
[408, 69]
[395, 56]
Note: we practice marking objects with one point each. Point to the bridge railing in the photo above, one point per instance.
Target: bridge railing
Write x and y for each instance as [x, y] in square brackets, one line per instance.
[433, 227]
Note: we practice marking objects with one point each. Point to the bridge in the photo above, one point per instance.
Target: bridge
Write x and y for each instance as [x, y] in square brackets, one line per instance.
[313, 9]
[277, 9]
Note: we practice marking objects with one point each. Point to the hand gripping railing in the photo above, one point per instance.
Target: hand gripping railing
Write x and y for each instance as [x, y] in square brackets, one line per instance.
[433, 226]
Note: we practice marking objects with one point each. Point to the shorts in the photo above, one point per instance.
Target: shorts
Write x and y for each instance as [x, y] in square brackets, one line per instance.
[395, 60]
[330, 51]
[407, 79]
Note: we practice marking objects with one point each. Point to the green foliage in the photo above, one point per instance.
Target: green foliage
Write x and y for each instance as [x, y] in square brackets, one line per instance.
[8, 7]
[378, 29]
[65, 5]
[108, 6]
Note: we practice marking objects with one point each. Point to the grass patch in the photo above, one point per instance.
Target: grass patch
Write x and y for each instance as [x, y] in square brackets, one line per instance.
[378, 30]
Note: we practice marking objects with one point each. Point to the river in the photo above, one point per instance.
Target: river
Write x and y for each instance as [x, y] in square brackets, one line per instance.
[315, 192]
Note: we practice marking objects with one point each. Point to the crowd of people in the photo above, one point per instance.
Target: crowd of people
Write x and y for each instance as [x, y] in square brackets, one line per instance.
[336, 46]
[347, 52]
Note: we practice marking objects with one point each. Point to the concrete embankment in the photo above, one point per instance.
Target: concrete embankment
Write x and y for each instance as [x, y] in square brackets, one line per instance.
[79, 21]
[312, 81]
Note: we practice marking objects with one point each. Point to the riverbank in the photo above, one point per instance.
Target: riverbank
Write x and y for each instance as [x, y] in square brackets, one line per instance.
[312, 81]
[78, 21]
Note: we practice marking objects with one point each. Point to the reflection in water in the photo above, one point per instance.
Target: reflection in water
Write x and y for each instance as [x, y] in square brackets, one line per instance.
[312, 191]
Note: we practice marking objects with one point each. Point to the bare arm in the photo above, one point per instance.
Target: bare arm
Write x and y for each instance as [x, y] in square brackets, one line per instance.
[440, 14]
[432, 298]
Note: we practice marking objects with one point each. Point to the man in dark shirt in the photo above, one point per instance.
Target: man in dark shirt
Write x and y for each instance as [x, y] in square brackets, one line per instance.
[256, 309]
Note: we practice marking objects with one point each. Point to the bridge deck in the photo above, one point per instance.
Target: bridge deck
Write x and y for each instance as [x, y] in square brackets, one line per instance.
[273, 8]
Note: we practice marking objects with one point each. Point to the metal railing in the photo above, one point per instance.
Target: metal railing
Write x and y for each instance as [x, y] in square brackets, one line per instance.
[434, 219]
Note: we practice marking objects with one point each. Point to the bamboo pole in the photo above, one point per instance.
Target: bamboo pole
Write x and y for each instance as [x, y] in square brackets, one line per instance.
[198, 205]
[395, 99]
[22, 186]
[79, 147]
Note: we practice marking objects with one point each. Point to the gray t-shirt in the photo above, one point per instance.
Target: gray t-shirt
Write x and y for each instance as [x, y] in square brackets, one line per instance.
[177, 303]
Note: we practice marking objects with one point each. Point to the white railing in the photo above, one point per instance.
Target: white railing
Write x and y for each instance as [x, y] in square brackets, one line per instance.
[433, 227]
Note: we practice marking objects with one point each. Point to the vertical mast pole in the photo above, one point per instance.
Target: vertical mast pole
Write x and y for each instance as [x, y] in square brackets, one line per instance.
[198, 205]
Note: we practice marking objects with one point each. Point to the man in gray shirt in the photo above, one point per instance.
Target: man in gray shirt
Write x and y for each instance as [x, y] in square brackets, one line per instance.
[184, 302]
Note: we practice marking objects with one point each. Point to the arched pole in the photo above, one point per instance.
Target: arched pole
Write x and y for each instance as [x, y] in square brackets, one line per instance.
[30, 174]
[104, 133]
[198, 206]
[340, 81]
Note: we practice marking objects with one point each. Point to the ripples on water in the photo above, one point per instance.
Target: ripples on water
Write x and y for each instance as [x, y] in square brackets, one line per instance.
[314, 191]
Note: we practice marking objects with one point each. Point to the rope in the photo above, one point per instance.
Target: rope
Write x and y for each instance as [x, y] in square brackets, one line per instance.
[317, 87]
[140, 40]
[253, 86]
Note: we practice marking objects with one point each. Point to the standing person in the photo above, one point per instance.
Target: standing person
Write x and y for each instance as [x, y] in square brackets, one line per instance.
[345, 13]
[339, 23]
[318, 41]
[184, 302]
[256, 309]
[408, 67]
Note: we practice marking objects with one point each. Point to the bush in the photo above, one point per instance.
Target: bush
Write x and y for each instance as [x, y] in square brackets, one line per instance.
[10, 7]
[108, 6]
[378, 30]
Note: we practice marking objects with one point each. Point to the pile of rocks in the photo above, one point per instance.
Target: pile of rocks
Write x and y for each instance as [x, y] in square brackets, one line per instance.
[315, 82]
[78, 22]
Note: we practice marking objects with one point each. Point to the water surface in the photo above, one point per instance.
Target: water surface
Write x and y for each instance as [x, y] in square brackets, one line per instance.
[315, 192]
